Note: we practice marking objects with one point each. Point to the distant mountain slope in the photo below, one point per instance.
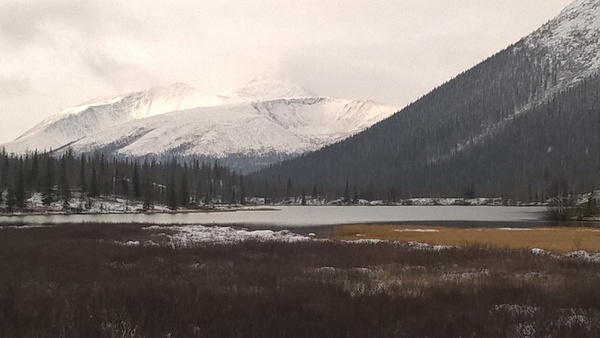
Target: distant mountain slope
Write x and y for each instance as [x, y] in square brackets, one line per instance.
[74, 123]
[483, 128]
[285, 126]
[261, 123]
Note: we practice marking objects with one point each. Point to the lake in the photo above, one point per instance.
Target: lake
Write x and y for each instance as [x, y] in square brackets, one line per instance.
[315, 216]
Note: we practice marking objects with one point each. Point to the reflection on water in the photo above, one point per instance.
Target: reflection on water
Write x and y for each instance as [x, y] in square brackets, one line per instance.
[310, 216]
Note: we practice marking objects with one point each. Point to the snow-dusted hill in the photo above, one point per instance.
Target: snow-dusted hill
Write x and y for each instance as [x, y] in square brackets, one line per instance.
[283, 126]
[571, 41]
[265, 118]
[71, 124]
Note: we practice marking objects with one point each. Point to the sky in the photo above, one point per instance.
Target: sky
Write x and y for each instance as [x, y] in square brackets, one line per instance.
[58, 53]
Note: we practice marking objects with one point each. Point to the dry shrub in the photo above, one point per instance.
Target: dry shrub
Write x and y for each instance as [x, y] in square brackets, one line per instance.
[74, 281]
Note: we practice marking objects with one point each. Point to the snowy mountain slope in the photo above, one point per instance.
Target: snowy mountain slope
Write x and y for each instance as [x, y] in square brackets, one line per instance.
[265, 88]
[265, 120]
[71, 124]
[571, 40]
[283, 126]
[563, 52]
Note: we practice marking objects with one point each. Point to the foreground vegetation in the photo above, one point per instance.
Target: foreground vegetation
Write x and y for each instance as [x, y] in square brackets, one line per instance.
[556, 239]
[81, 281]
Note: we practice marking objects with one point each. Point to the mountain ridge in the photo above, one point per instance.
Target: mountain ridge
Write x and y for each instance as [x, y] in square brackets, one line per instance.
[436, 145]
[275, 119]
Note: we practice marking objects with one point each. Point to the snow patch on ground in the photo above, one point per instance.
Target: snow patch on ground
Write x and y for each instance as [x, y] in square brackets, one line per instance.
[185, 236]
[517, 310]
[25, 226]
[86, 205]
[415, 230]
[577, 255]
[425, 246]
[465, 276]
[516, 229]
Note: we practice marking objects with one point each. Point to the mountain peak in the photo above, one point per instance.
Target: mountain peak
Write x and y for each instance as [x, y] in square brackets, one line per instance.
[268, 87]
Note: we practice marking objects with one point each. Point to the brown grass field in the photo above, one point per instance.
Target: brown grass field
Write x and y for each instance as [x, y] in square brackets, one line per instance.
[558, 239]
[79, 280]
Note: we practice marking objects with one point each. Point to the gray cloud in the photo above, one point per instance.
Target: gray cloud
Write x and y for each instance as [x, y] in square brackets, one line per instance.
[53, 22]
[118, 74]
[14, 87]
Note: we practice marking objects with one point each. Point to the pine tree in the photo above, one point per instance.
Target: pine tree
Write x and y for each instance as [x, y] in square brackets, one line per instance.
[48, 192]
[172, 194]
[11, 200]
[4, 171]
[20, 187]
[65, 189]
[137, 191]
[347, 193]
[303, 197]
[94, 190]
[242, 191]
[184, 191]
[82, 178]
[148, 195]
[288, 189]
[33, 178]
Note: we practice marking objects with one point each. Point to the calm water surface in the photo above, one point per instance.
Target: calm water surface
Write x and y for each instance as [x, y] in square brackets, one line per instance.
[311, 216]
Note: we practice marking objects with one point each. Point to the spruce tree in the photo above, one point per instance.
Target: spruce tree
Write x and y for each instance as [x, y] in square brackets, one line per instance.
[94, 189]
[48, 192]
[242, 191]
[148, 195]
[288, 189]
[137, 191]
[303, 197]
[33, 178]
[347, 193]
[184, 191]
[11, 200]
[65, 189]
[172, 194]
[82, 178]
[20, 187]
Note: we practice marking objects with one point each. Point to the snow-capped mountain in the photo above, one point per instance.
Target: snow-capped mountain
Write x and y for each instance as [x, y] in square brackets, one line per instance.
[284, 126]
[73, 123]
[270, 88]
[265, 118]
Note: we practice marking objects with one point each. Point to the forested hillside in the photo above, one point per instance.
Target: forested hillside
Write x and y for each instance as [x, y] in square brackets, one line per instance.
[512, 125]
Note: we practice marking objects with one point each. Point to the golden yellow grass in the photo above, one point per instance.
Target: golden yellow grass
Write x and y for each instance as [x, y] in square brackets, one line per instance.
[559, 239]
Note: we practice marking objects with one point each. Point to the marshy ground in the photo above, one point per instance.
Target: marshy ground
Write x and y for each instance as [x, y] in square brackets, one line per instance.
[555, 239]
[86, 281]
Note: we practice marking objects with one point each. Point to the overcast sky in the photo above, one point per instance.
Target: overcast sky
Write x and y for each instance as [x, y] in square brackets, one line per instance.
[58, 53]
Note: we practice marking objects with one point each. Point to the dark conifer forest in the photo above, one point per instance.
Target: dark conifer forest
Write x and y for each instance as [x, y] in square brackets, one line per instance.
[508, 127]
[58, 178]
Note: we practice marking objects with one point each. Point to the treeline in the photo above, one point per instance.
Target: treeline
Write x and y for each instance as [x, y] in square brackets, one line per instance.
[61, 178]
